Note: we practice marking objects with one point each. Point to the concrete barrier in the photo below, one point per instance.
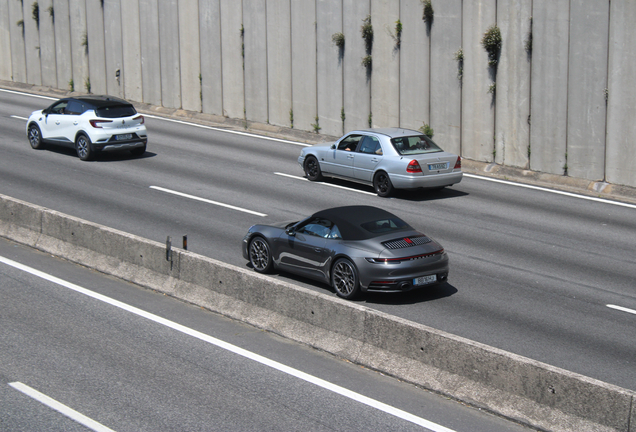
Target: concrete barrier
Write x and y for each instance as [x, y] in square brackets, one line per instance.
[518, 388]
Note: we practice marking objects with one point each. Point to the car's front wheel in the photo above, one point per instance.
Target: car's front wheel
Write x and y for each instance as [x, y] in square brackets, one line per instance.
[83, 147]
[260, 255]
[35, 137]
[344, 279]
[382, 184]
[312, 169]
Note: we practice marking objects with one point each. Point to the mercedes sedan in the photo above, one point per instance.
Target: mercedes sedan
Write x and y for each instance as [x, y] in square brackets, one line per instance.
[354, 249]
[387, 159]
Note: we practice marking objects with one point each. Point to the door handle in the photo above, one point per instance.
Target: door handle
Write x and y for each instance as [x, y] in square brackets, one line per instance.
[75, 123]
[317, 249]
[57, 122]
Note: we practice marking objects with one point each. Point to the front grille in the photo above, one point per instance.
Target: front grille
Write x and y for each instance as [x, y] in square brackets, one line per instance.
[406, 242]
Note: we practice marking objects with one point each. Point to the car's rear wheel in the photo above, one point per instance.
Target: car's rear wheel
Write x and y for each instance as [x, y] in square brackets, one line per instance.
[382, 184]
[260, 255]
[138, 151]
[35, 137]
[83, 147]
[344, 279]
[312, 169]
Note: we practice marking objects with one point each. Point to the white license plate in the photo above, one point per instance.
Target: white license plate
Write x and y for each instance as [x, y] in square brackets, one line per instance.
[437, 166]
[423, 280]
[123, 137]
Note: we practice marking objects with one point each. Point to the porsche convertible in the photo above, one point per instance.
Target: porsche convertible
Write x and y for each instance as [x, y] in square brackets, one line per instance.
[385, 158]
[354, 249]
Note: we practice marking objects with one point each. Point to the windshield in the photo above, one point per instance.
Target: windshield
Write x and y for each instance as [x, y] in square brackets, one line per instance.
[412, 145]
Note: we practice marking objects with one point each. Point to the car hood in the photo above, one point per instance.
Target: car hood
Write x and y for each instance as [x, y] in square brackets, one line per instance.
[318, 147]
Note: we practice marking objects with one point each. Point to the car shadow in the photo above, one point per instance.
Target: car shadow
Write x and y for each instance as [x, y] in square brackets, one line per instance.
[420, 295]
[100, 156]
[415, 195]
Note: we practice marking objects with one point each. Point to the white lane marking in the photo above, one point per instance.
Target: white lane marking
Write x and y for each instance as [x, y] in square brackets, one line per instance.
[185, 195]
[570, 194]
[621, 308]
[434, 427]
[325, 184]
[18, 117]
[226, 130]
[59, 407]
[28, 94]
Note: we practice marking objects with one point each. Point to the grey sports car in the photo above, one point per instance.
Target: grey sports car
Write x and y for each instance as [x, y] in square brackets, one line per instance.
[353, 248]
[387, 159]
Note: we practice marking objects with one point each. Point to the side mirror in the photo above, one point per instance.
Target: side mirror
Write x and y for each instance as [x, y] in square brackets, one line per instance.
[290, 232]
[333, 146]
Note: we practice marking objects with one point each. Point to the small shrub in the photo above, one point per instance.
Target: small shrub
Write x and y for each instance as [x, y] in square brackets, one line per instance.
[338, 39]
[35, 13]
[71, 85]
[316, 125]
[427, 14]
[367, 33]
[492, 43]
[367, 61]
[427, 130]
[87, 84]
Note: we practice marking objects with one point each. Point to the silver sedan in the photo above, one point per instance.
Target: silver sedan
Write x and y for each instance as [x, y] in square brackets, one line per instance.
[387, 159]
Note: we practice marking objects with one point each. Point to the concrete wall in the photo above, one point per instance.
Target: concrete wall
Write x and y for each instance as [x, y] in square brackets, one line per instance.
[562, 107]
[515, 387]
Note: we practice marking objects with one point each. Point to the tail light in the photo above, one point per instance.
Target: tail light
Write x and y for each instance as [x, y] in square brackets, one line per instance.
[98, 123]
[458, 164]
[414, 167]
[140, 118]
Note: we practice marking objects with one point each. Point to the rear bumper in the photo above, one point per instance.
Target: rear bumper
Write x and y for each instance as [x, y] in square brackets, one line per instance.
[400, 277]
[429, 181]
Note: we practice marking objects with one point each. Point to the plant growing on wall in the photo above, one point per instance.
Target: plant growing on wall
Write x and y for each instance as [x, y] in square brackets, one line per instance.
[51, 12]
[71, 85]
[291, 117]
[35, 13]
[370, 118]
[492, 44]
[367, 33]
[427, 130]
[342, 114]
[459, 57]
[85, 42]
[427, 14]
[398, 33]
[492, 89]
[87, 84]
[316, 125]
[367, 61]
[528, 43]
[338, 39]
[20, 23]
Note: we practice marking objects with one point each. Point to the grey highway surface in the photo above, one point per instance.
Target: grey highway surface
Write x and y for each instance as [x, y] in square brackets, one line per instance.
[79, 343]
[533, 272]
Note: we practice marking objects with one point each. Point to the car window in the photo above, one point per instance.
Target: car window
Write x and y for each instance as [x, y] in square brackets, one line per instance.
[370, 145]
[75, 107]
[58, 108]
[418, 144]
[317, 227]
[350, 143]
[116, 111]
[385, 225]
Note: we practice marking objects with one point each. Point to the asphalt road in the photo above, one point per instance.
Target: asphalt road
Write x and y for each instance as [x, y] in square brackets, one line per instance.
[532, 271]
[127, 358]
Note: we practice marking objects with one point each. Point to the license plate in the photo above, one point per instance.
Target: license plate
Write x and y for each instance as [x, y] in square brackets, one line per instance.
[423, 280]
[437, 166]
[123, 137]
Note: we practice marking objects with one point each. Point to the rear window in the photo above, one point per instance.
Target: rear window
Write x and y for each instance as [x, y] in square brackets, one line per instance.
[116, 111]
[385, 225]
[413, 145]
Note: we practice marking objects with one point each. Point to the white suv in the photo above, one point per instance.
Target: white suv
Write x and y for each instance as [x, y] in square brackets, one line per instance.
[89, 124]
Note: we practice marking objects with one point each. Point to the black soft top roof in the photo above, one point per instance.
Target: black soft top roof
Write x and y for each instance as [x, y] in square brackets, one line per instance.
[349, 220]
